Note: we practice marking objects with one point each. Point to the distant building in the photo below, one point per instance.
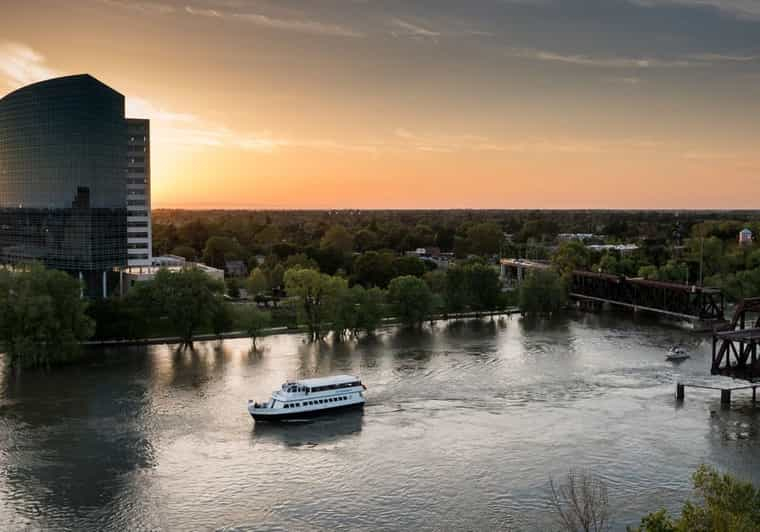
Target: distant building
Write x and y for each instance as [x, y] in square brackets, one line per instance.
[433, 255]
[235, 268]
[173, 263]
[564, 237]
[623, 249]
[745, 236]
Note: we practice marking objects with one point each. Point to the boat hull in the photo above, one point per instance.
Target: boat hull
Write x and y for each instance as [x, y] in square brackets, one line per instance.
[282, 415]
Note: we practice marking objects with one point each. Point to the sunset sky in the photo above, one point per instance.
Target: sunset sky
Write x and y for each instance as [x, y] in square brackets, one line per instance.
[420, 104]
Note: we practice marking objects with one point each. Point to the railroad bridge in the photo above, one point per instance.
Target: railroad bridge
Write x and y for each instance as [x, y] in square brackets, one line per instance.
[688, 302]
[735, 351]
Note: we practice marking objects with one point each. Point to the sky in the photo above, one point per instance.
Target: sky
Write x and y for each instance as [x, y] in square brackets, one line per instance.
[420, 103]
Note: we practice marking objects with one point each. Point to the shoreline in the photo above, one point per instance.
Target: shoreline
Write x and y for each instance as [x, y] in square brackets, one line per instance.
[283, 329]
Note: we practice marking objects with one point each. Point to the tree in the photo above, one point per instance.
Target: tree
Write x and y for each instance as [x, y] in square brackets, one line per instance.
[484, 287]
[581, 502]
[485, 238]
[257, 282]
[221, 318]
[188, 298]
[185, 251]
[542, 293]
[254, 321]
[571, 256]
[338, 237]
[411, 299]
[723, 503]
[365, 240]
[457, 295]
[42, 317]
[315, 294]
[300, 260]
[219, 249]
[374, 268]
[408, 266]
[648, 272]
[233, 288]
[370, 312]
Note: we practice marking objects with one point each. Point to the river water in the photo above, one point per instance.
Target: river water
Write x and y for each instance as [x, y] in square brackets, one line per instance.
[463, 429]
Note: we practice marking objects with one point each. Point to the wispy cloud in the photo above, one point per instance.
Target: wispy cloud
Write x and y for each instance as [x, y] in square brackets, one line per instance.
[157, 8]
[692, 60]
[20, 65]
[408, 29]
[744, 9]
[298, 25]
[597, 61]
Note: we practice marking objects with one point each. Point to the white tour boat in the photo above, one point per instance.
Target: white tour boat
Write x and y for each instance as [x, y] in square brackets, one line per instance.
[310, 397]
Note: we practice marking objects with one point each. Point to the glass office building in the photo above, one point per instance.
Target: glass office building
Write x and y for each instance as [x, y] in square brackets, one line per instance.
[63, 196]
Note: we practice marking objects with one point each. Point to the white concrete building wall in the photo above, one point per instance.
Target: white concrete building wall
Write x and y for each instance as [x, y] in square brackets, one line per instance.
[139, 227]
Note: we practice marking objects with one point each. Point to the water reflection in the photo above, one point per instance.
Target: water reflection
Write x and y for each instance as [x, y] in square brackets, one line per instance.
[463, 427]
[325, 429]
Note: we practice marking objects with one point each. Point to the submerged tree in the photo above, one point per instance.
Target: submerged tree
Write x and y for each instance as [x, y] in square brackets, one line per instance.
[189, 299]
[254, 321]
[542, 293]
[315, 294]
[42, 317]
[411, 299]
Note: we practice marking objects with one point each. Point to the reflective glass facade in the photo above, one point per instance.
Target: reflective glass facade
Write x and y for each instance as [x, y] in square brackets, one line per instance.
[62, 175]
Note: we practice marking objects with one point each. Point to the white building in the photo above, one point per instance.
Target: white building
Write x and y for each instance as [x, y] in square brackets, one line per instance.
[173, 263]
[745, 236]
[139, 232]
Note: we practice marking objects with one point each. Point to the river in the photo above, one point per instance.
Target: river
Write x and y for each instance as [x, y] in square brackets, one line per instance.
[463, 429]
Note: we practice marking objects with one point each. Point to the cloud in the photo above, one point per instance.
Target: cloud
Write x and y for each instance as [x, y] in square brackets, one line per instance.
[693, 60]
[743, 9]
[20, 65]
[155, 8]
[597, 61]
[404, 28]
[298, 25]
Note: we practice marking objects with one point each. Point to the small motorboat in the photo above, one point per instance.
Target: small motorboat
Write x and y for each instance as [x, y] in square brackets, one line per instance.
[676, 354]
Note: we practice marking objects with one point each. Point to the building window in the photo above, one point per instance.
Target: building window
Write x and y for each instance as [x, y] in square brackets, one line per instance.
[140, 203]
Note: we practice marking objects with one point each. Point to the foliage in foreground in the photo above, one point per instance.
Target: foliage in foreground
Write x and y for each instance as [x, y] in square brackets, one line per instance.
[580, 502]
[42, 317]
[723, 504]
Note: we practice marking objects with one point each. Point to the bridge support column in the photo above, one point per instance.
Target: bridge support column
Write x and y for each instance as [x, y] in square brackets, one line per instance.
[725, 397]
[680, 392]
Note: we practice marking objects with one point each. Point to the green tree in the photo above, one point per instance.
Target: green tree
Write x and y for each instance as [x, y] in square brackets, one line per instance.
[370, 311]
[42, 317]
[374, 268]
[233, 288]
[338, 237]
[484, 287]
[648, 272]
[300, 260]
[542, 293]
[411, 299]
[257, 282]
[408, 266]
[485, 238]
[571, 256]
[185, 251]
[220, 249]
[365, 240]
[188, 298]
[723, 503]
[315, 294]
[254, 321]
[221, 318]
[457, 289]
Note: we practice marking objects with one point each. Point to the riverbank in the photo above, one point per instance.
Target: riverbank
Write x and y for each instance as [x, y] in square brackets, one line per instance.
[278, 330]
